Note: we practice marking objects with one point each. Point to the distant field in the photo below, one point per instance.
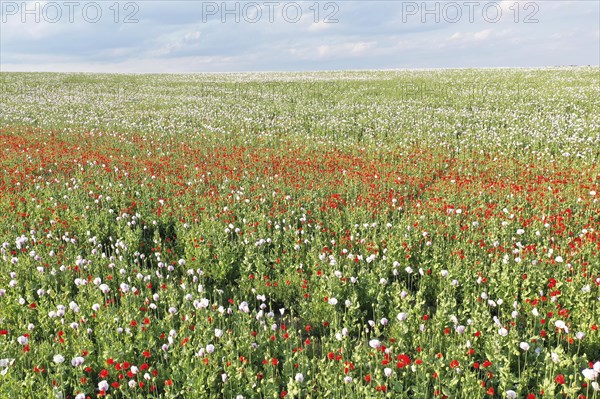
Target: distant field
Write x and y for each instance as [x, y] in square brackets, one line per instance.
[385, 234]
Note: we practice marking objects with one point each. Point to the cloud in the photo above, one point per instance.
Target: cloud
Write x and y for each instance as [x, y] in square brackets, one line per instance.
[333, 51]
[471, 37]
[319, 26]
[187, 36]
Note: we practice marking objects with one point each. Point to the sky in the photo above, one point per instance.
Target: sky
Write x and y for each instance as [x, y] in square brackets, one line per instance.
[161, 36]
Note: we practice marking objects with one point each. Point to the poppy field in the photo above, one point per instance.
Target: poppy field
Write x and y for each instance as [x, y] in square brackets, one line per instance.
[382, 234]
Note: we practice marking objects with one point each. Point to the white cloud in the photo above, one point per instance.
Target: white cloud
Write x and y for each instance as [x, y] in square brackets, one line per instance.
[466, 38]
[333, 51]
[171, 38]
[362, 47]
[319, 26]
[134, 65]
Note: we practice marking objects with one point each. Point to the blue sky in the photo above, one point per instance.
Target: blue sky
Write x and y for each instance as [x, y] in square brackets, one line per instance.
[217, 36]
